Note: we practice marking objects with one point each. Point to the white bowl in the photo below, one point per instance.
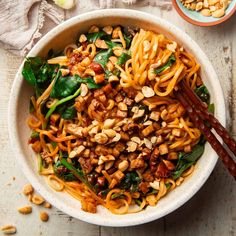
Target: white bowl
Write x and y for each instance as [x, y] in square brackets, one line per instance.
[18, 111]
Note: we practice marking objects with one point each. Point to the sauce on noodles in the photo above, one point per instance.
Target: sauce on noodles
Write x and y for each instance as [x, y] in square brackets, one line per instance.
[106, 125]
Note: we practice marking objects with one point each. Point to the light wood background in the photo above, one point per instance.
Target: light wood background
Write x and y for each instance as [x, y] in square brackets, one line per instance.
[211, 212]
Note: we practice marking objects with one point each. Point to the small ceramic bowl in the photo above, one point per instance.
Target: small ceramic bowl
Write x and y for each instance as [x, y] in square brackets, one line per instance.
[197, 18]
[19, 133]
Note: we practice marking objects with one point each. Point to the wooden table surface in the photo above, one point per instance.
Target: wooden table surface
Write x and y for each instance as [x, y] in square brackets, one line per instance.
[212, 211]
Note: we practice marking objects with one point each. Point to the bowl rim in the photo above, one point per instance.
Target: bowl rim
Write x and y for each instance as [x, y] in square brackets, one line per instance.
[32, 176]
[199, 23]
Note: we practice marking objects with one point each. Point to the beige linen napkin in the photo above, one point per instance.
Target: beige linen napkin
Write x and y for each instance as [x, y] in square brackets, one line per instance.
[21, 21]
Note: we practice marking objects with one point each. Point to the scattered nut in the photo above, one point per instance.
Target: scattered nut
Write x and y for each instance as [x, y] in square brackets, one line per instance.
[38, 200]
[139, 97]
[101, 138]
[8, 229]
[82, 38]
[136, 139]
[172, 46]
[117, 51]
[116, 138]
[93, 29]
[147, 143]
[84, 90]
[122, 106]
[123, 165]
[155, 185]
[108, 29]
[109, 132]
[44, 216]
[28, 189]
[47, 205]
[25, 210]
[148, 92]
[132, 146]
[76, 151]
[101, 44]
[108, 123]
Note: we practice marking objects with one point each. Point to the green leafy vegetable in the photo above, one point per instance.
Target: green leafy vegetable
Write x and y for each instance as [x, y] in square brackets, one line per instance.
[63, 100]
[38, 73]
[117, 195]
[138, 202]
[31, 107]
[168, 185]
[78, 173]
[62, 172]
[34, 135]
[211, 108]
[69, 113]
[170, 62]
[54, 144]
[40, 162]
[103, 57]
[64, 86]
[203, 93]
[187, 159]
[90, 82]
[92, 37]
[131, 181]
[111, 44]
[123, 58]
[31, 65]
[128, 40]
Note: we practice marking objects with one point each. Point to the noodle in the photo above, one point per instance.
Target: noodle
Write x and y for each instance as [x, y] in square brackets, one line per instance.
[125, 140]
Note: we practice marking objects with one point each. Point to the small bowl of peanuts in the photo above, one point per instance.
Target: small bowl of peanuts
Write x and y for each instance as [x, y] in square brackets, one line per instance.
[205, 12]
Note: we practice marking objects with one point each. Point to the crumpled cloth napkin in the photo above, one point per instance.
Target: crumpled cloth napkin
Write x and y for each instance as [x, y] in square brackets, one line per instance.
[21, 21]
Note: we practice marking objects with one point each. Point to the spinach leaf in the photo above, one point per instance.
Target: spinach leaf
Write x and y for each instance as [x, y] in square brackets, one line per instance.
[38, 73]
[168, 185]
[203, 93]
[89, 82]
[187, 159]
[131, 181]
[34, 135]
[195, 154]
[28, 73]
[111, 44]
[103, 57]
[123, 58]
[31, 107]
[211, 108]
[107, 74]
[117, 195]
[64, 86]
[63, 100]
[62, 172]
[128, 40]
[78, 173]
[92, 37]
[69, 113]
[170, 62]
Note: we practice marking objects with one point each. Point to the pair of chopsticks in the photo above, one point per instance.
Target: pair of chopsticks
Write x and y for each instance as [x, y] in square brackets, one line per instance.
[199, 115]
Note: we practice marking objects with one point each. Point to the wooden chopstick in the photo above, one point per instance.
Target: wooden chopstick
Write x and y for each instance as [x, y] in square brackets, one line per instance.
[207, 116]
[198, 113]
